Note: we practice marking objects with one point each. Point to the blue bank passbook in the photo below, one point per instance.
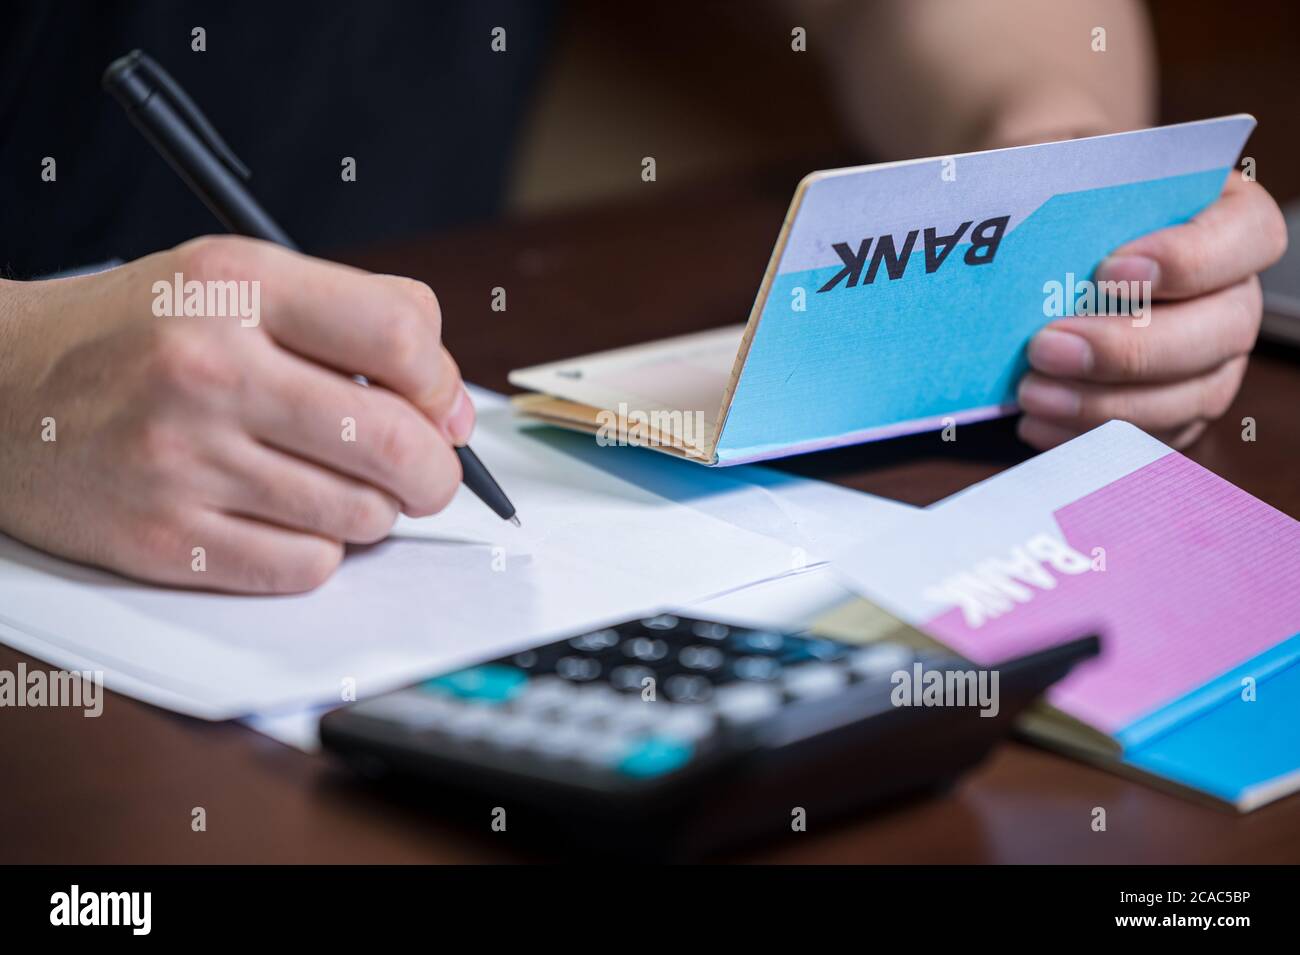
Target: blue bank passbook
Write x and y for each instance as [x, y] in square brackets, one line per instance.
[900, 297]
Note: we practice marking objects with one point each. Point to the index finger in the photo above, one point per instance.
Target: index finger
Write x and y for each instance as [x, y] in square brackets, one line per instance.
[384, 327]
[1241, 233]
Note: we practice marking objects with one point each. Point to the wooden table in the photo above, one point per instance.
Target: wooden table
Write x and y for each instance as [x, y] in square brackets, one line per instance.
[121, 788]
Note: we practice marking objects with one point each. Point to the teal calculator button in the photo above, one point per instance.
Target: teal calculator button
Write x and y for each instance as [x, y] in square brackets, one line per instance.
[655, 757]
[490, 683]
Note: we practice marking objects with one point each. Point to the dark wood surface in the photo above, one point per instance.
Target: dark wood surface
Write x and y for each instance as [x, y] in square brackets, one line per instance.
[121, 788]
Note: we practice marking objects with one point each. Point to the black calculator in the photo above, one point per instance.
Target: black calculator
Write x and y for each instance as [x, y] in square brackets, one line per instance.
[669, 735]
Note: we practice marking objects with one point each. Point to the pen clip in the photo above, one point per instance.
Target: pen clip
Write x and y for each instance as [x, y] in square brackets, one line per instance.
[191, 113]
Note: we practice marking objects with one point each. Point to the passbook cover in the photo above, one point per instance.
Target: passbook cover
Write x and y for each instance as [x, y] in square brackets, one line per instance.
[1192, 583]
[899, 298]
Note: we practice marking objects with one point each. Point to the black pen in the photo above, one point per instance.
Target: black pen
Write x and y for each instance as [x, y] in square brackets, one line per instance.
[177, 128]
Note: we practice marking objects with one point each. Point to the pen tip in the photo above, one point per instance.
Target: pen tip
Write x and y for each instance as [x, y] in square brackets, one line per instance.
[514, 519]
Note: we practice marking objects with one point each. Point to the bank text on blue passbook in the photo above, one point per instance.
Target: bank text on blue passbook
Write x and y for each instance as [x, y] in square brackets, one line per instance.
[901, 297]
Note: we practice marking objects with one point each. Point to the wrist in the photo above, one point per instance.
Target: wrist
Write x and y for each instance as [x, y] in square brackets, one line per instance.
[10, 319]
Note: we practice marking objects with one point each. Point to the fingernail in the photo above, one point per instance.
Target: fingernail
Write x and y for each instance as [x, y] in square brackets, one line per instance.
[1060, 353]
[1049, 399]
[1128, 268]
[460, 422]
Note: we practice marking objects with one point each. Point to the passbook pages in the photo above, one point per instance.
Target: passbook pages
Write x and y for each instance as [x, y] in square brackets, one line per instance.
[1193, 585]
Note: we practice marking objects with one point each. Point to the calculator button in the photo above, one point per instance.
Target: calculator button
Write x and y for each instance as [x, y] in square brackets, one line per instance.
[595, 641]
[565, 742]
[756, 668]
[759, 641]
[812, 680]
[828, 650]
[656, 756]
[707, 630]
[544, 695]
[489, 683]
[633, 715]
[879, 660]
[663, 621]
[578, 669]
[803, 649]
[688, 688]
[410, 708]
[593, 703]
[630, 677]
[514, 732]
[689, 723]
[607, 752]
[526, 660]
[470, 721]
[696, 657]
[645, 649]
[740, 703]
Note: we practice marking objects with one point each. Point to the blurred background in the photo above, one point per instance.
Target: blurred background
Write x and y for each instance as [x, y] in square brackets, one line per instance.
[447, 132]
[607, 101]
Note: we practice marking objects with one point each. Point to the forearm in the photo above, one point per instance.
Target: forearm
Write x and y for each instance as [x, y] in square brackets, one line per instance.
[929, 77]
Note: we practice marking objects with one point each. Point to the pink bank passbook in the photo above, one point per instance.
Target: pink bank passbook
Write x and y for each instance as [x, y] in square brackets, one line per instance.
[1193, 584]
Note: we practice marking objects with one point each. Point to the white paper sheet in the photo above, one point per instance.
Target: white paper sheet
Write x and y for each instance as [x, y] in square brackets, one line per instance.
[791, 602]
[609, 533]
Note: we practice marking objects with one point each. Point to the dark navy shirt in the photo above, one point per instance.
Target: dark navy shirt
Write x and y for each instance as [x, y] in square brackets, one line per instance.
[413, 91]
